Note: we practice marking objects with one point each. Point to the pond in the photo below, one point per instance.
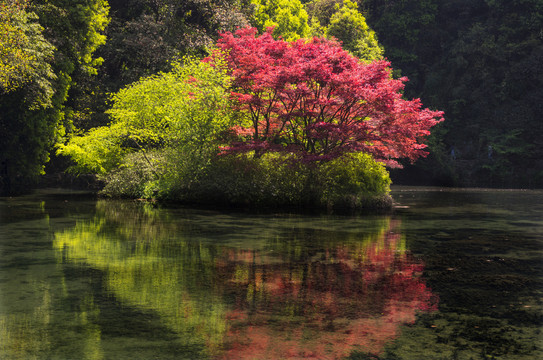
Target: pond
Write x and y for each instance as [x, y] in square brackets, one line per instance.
[450, 274]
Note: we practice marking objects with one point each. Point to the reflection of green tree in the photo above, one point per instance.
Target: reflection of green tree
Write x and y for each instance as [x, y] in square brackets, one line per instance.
[304, 277]
[148, 269]
[22, 335]
[30, 326]
[31, 335]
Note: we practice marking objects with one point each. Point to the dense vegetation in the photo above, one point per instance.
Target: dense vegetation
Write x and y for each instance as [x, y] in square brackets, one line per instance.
[481, 61]
[56, 41]
[261, 121]
[478, 60]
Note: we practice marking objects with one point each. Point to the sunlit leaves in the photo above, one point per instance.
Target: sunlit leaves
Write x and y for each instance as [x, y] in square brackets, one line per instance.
[14, 63]
[24, 53]
[186, 107]
[349, 26]
[288, 18]
[98, 151]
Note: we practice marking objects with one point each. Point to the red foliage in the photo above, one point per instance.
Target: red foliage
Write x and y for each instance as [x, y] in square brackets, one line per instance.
[312, 98]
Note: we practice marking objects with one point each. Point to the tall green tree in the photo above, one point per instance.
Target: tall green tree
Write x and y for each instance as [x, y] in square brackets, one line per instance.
[77, 29]
[349, 26]
[15, 61]
[288, 17]
[24, 54]
[26, 89]
[61, 39]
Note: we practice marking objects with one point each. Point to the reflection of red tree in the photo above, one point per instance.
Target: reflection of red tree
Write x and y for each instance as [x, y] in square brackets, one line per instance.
[328, 306]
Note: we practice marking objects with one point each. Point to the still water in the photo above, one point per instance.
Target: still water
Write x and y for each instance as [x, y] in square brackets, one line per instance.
[450, 274]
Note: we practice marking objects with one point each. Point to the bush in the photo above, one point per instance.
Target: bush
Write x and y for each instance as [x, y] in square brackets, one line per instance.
[187, 107]
[233, 180]
[276, 180]
[136, 177]
[354, 181]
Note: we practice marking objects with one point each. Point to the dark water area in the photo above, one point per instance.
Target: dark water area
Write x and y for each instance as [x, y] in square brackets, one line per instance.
[450, 274]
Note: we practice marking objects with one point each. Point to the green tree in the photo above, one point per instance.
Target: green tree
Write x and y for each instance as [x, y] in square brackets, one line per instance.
[26, 90]
[349, 26]
[76, 28]
[37, 115]
[288, 17]
[184, 109]
[24, 53]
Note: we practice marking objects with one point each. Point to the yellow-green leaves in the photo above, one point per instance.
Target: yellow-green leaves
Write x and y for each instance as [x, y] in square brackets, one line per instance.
[184, 108]
[98, 151]
[23, 50]
[97, 14]
[288, 17]
[186, 104]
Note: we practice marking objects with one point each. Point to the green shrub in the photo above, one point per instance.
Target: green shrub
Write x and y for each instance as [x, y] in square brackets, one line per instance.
[353, 181]
[275, 180]
[272, 180]
[136, 177]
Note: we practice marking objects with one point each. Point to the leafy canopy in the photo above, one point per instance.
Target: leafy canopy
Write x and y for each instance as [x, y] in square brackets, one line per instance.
[288, 18]
[349, 26]
[26, 90]
[24, 53]
[314, 99]
[185, 107]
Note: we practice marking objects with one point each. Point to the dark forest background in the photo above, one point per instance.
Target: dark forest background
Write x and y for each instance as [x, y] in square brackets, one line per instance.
[480, 61]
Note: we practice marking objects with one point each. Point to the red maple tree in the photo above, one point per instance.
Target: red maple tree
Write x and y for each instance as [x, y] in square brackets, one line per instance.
[314, 99]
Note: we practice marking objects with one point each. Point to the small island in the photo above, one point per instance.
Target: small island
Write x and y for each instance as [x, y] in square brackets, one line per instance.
[259, 122]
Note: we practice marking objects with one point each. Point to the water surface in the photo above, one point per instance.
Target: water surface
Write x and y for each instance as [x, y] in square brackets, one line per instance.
[451, 274]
